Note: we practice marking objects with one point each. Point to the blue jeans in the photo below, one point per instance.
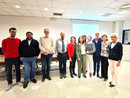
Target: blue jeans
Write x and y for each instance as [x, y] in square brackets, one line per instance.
[46, 62]
[29, 65]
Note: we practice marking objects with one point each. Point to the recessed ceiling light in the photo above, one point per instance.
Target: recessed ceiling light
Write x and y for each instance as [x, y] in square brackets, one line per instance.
[125, 6]
[45, 9]
[17, 6]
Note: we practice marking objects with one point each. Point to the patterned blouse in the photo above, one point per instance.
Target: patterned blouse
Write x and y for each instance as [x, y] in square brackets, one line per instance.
[105, 49]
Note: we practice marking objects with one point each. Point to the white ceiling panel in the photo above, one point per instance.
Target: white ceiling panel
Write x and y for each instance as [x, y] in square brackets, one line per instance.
[44, 3]
[16, 14]
[4, 5]
[13, 6]
[75, 9]
[8, 10]
[22, 11]
[12, 1]
[116, 4]
[31, 7]
[29, 2]
[56, 10]
[59, 4]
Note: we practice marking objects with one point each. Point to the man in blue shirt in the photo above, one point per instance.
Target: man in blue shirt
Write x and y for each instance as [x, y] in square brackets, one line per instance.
[96, 56]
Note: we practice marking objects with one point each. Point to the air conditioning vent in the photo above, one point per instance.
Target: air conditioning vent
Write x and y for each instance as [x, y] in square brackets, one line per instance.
[57, 14]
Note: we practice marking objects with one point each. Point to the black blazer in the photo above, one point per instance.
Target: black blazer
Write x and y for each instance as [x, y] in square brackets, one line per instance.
[116, 52]
[29, 51]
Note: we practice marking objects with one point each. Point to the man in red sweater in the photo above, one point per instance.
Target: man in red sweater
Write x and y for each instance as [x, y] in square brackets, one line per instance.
[10, 48]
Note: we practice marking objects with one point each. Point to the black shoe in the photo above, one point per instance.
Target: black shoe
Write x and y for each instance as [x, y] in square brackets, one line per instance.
[43, 78]
[94, 74]
[105, 79]
[97, 75]
[79, 76]
[101, 77]
[34, 81]
[48, 77]
[72, 76]
[75, 74]
[64, 75]
[111, 85]
[25, 84]
[109, 82]
[84, 76]
[61, 76]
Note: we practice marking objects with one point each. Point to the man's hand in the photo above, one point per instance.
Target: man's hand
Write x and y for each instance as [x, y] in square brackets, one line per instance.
[70, 59]
[118, 64]
[47, 52]
[78, 59]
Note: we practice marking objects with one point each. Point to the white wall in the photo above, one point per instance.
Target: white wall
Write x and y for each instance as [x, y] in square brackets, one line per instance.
[36, 25]
[106, 28]
[126, 48]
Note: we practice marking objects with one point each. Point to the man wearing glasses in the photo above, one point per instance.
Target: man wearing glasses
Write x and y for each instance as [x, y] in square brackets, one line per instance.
[10, 48]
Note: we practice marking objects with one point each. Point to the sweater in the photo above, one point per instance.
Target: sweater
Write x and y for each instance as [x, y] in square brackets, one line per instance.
[46, 43]
[10, 47]
[70, 49]
[27, 50]
[116, 52]
[90, 48]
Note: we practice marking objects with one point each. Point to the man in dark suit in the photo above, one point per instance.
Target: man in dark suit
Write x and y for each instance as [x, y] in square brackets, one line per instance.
[96, 56]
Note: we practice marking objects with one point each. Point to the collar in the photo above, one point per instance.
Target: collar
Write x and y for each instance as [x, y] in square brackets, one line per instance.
[12, 37]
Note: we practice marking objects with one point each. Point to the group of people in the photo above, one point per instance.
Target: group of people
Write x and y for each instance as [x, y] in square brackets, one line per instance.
[86, 52]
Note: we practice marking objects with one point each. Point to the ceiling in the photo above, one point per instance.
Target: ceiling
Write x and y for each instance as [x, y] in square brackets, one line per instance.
[72, 9]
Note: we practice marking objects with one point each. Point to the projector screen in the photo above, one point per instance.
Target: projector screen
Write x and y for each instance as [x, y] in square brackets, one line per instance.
[84, 28]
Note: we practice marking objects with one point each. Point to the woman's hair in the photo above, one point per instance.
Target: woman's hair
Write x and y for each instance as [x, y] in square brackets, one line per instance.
[85, 37]
[74, 38]
[106, 36]
[79, 39]
[89, 36]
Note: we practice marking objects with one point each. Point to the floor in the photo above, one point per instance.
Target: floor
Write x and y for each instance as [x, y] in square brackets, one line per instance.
[71, 87]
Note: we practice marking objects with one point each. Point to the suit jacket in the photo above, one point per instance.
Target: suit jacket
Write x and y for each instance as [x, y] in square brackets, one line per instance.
[78, 50]
[97, 46]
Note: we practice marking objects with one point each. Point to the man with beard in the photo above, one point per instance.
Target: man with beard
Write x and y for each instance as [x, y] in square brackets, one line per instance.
[10, 48]
[29, 51]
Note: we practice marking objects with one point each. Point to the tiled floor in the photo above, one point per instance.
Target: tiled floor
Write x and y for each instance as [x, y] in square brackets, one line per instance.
[71, 87]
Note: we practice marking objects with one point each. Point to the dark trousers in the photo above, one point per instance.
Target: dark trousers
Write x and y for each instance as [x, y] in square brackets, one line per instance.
[96, 61]
[46, 62]
[104, 67]
[9, 62]
[72, 65]
[62, 58]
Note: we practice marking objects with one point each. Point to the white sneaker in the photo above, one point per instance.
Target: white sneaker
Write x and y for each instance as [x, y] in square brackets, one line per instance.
[9, 87]
[20, 84]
